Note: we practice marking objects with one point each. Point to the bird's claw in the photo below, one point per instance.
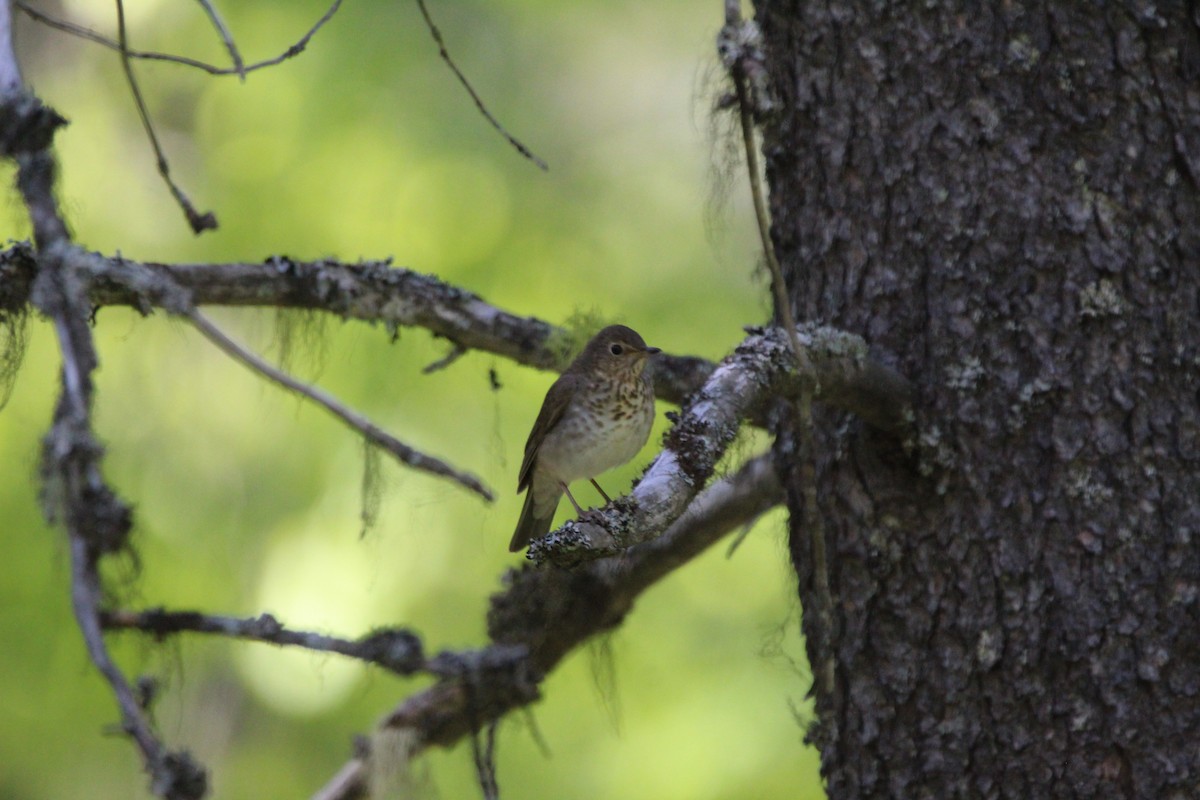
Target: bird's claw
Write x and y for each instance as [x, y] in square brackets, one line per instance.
[593, 515]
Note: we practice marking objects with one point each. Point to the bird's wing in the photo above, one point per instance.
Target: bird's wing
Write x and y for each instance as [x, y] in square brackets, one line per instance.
[553, 408]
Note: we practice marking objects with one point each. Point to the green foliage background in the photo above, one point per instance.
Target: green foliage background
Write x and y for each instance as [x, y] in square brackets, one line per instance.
[247, 500]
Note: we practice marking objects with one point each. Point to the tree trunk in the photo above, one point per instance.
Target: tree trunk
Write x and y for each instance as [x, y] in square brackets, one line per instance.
[1003, 201]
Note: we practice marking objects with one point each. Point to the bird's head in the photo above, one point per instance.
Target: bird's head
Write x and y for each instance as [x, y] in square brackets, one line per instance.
[618, 349]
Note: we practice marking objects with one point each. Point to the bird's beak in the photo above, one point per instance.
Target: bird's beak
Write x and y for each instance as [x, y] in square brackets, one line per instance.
[652, 350]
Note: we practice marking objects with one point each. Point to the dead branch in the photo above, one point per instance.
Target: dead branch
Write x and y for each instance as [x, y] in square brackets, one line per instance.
[86, 33]
[373, 433]
[761, 372]
[154, 288]
[395, 649]
[550, 612]
[375, 291]
[199, 222]
[74, 492]
[466, 84]
[222, 30]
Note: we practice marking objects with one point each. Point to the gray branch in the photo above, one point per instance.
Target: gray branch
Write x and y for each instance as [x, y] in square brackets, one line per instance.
[376, 291]
[759, 373]
[373, 433]
[587, 601]
[395, 649]
[74, 491]
[149, 286]
[292, 51]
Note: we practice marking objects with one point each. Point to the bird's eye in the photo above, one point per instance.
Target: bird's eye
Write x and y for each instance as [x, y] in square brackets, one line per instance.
[616, 349]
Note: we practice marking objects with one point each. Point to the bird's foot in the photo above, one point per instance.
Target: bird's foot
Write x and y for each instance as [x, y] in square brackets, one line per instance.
[592, 515]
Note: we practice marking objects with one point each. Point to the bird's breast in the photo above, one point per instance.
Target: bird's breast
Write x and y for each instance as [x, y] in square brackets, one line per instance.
[601, 430]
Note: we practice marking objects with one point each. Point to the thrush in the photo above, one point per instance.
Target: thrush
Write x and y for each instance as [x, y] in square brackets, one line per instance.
[596, 416]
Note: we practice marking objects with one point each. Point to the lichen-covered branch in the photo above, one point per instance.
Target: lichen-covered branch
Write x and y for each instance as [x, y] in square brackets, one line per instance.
[376, 291]
[157, 288]
[74, 491]
[761, 372]
[546, 613]
[395, 649]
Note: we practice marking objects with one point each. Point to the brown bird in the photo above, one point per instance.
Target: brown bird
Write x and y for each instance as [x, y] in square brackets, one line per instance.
[596, 416]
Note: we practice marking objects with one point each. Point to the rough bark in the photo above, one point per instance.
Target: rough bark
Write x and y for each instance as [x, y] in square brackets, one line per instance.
[1003, 201]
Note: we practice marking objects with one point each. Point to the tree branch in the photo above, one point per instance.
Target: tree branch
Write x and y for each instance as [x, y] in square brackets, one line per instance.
[199, 222]
[151, 287]
[373, 433]
[239, 66]
[761, 372]
[86, 33]
[395, 649]
[375, 291]
[10, 73]
[74, 492]
[517, 145]
[549, 612]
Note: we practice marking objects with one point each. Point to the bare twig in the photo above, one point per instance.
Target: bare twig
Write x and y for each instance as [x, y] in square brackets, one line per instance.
[445, 54]
[212, 69]
[376, 435]
[155, 288]
[348, 783]
[456, 352]
[586, 602]
[395, 649]
[198, 222]
[226, 37]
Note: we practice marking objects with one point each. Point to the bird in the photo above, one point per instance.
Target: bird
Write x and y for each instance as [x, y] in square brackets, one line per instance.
[596, 416]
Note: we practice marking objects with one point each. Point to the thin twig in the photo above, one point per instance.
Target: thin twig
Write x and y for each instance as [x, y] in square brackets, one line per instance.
[758, 373]
[445, 54]
[456, 352]
[378, 436]
[783, 309]
[223, 31]
[198, 222]
[398, 650]
[148, 55]
[347, 784]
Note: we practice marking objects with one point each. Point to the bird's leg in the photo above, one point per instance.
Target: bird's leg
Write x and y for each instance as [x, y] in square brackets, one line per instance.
[571, 497]
[607, 499]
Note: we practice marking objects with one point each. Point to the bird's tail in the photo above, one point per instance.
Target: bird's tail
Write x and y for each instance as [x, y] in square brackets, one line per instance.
[531, 526]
